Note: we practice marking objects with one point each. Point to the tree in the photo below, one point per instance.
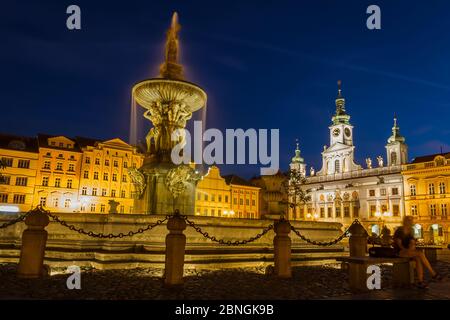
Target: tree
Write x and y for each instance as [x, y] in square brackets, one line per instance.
[294, 190]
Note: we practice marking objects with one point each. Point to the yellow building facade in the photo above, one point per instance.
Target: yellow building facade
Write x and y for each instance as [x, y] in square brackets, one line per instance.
[17, 181]
[427, 196]
[104, 179]
[67, 174]
[228, 196]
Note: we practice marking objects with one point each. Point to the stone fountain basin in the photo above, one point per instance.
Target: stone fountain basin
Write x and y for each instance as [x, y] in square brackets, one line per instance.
[148, 92]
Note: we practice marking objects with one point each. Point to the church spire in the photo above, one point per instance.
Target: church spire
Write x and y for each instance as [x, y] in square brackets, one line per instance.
[396, 136]
[297, 158]
[340, 116]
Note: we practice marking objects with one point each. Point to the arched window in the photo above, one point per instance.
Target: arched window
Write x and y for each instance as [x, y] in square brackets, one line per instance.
[393, 158]
[337, 166]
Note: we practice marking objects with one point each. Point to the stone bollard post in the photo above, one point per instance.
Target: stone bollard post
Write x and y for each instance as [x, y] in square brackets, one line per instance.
[282, 249]
[358, 240]
[175, 246]
[34, 239]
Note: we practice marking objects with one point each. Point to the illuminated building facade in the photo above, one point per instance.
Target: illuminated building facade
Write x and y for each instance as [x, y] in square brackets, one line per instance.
[228, 196]
[67, 174]
[17, 181]
[427, 196]
[342, 190]
[271, 194]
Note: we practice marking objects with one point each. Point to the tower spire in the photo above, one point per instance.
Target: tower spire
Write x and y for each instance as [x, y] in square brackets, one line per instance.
[340, 116]
[396, 136]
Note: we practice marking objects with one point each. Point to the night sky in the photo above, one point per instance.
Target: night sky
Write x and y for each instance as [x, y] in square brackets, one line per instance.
[263, 64]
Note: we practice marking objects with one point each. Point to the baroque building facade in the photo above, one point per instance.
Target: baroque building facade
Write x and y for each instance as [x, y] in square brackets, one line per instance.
[427, 196]
[343, 190]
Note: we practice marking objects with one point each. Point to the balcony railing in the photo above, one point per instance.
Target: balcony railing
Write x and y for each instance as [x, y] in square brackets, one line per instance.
[355, 174]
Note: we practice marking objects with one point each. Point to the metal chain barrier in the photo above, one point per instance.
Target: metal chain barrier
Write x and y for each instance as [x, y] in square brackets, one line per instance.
[324, 243]
[17, 220]
[228, 242]
[109, 235]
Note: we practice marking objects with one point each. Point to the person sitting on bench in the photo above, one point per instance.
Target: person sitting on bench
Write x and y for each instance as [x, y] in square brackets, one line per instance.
[405, 246]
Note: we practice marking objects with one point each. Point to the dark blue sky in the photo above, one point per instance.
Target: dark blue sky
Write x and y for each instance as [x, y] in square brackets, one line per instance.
[264, 64]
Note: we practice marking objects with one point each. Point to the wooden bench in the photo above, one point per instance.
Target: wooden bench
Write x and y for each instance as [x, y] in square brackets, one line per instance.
[403, 270]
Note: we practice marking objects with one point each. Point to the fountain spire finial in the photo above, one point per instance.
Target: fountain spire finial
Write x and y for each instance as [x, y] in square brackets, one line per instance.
[171, 69]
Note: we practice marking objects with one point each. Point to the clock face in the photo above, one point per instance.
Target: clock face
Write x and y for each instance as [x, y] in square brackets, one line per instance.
[336, 132]
[347, 132]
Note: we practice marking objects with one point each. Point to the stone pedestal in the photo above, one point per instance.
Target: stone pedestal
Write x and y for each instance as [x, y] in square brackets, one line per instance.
[358, 240]
[282, 250]
[34, 239]
[175, 246]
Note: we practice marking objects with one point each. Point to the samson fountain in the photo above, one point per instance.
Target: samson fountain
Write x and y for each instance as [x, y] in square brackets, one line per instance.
[169, 100]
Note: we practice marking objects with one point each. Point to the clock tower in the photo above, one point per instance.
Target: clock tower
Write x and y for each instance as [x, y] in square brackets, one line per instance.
[339, 156]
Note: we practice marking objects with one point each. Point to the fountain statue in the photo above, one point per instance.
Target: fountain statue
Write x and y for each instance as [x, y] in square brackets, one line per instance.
[169, 101]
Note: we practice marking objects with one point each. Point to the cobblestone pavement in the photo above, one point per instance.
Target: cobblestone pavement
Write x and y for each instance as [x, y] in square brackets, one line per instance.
[309, 282]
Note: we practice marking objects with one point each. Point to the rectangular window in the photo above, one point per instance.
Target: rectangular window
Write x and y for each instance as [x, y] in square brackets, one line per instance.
[125, 164]
[5, 179]
[3, 198]
[86, 175]
[394, 191]
[92, 207]
[382, 192]
[69, 183]
[412, 190]
[213, 212]
[114, 177]
[383, 208]
[395, 210]
[373, 209]
[206, 197]
[444, 210]
[220, 198]
[55, 202]
[67, 203]
[21, 181]
[107, 163]
[226, 199]
[241, 201]
[322, 212]
[45, 181]
[19, 199]
[346, 212]
[71, 167]
[213, 197]
[414, 210]
[104, 192]
[25, 164]
[253, 202]
[338, 212]
[122, 209]
[7, 162]
[105, 176]
[433, 210]
[43, 201]
[234, 200]
[87, 160]
[102, 208]
[199, 196]
[219, 212]
[59, 166]
[122, 194]
[371, 193]
[442, 188]
[46, 165]
[124, 178]
[94, 191]
[84, 191]
[116, 163]
[113, 193]
[57, 182]
[431, 188]
[247, 202]
[97, 161]
[95, 175]
[330, 212]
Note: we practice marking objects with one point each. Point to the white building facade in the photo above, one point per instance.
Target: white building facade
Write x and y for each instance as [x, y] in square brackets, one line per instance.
[342, 190]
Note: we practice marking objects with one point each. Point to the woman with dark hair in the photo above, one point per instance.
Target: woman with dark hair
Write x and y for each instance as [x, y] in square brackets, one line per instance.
[405, 246]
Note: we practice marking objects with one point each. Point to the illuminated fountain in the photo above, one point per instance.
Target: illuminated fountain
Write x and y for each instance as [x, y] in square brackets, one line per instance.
[169, 102]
